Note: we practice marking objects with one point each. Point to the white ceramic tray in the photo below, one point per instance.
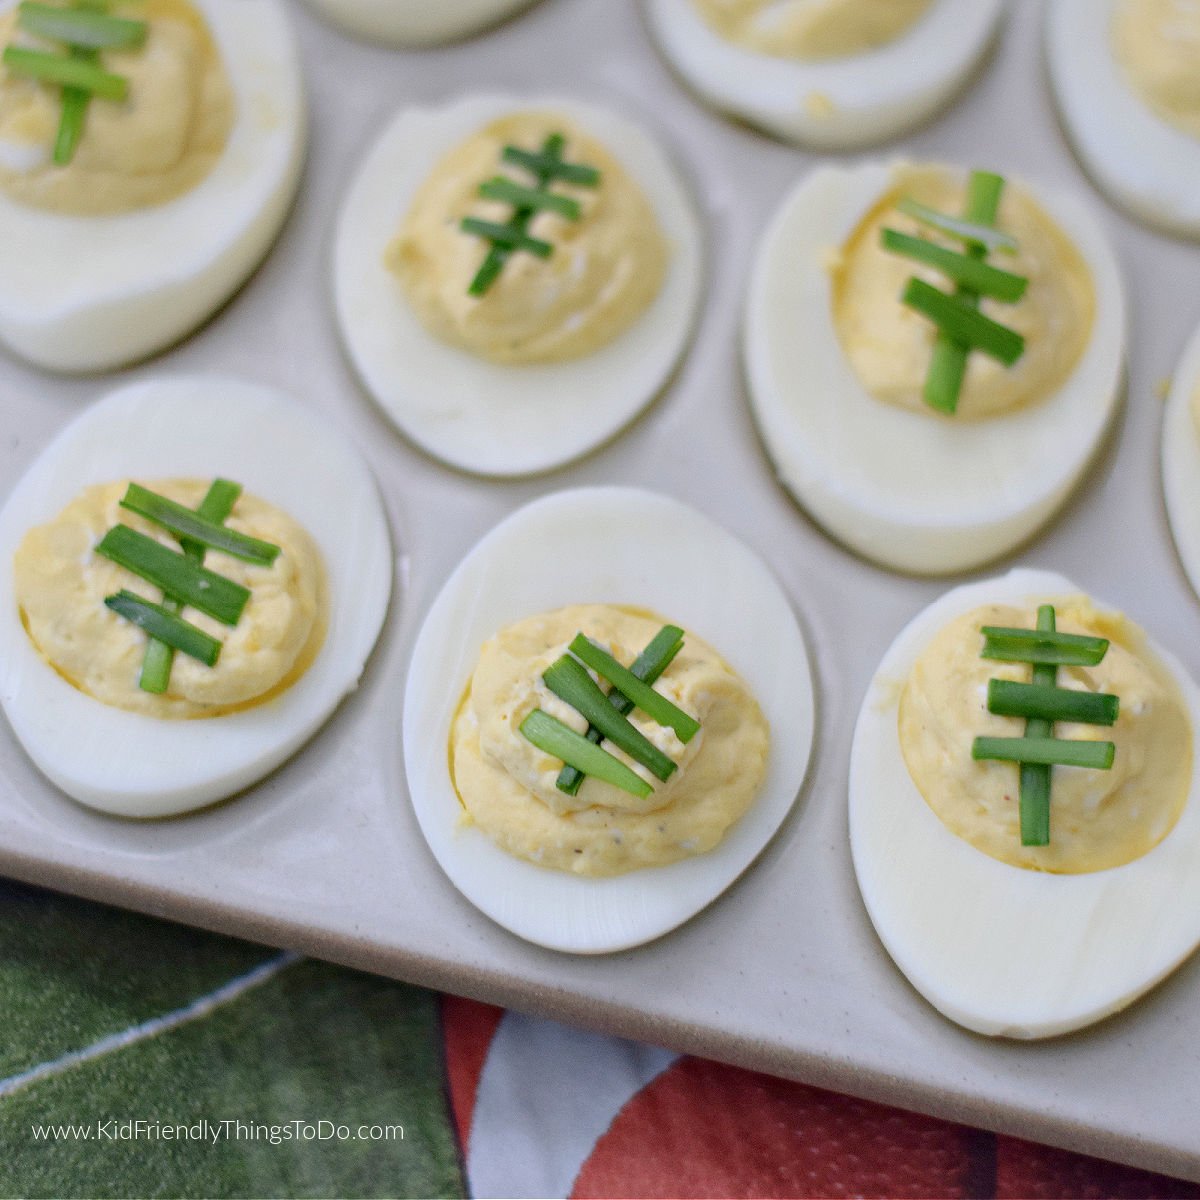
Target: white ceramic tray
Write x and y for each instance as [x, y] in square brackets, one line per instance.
[784, 972]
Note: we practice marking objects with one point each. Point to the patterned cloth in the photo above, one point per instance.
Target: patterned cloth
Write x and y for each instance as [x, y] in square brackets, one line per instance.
[139, 1058]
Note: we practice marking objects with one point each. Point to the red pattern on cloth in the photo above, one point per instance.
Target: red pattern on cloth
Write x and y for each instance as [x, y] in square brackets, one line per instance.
[467, 1031]
[1028, 1171]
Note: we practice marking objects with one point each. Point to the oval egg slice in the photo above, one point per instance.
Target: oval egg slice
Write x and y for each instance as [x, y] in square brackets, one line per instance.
[1181, 461]
[417, 22]
[616, 546]
[999, 949]
[484, 417]
[198, 427]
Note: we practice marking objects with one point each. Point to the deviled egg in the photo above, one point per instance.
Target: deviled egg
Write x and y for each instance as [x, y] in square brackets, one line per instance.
[1126, 77]
[141, 187]
[1025, 836]
[515, 280]
[1181, 460]
[833, 74]
[926, 427]
[417, 22]
[595, 841]
[182, 606]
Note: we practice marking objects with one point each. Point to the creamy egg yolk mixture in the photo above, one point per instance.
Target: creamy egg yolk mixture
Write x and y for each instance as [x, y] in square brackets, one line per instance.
[606, 268]
[1157, 44]
[812, 29]
[141, 152]
[507, 785]
[1098, 819]
[889, 346]
[61, 584]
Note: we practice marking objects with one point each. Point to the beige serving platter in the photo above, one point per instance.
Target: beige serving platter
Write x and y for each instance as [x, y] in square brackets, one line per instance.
[782, 973]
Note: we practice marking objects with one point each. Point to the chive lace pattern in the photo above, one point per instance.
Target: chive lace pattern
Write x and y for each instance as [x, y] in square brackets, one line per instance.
[80, 31]
[546, 167]
[1043, 702]
[962, 328]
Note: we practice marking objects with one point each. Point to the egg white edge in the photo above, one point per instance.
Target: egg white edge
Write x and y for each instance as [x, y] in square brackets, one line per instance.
[417, 22]
[1141, 162]
[861, 88]
[752, 627]
[795, 366]
[278, 449]
[154, 275]
[502, 420]
[1181, 462]
[920, 914]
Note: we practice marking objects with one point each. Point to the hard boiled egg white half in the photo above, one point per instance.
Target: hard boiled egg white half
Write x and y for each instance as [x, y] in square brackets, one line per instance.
[417, 22]
[997, 948]
[618, 546]
[91, 293]
[489, 418]
[196, 427]
[835, 103]
[906, 489]
[1181, 461]
[1141, 161]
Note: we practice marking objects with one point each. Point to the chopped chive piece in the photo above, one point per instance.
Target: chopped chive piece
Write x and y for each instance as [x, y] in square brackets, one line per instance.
[500, 188]
[551, 735]
[217, 504]
[1049, 703]
[655, 705]
[1033, 793]
[964, 269]
[511, 237]
[550, 167]
[974, 232]
[961, 321]
[1049, 751]
[570, 682]
[85, 28]
[179, 576]
[165, 627]
[75, 103]
[188, 524]
[658, 655]
[68, 71]
[1035, 646]
[487, 274]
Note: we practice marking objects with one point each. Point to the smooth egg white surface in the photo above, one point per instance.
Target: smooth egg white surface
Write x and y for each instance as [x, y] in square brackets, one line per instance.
[999, 949]
[1181, 462]
[910, 490]
[92, 293]
[613, 546]
[1139, 160]
[480, 416]
[279, 450]
[417, 22]
[834, 103]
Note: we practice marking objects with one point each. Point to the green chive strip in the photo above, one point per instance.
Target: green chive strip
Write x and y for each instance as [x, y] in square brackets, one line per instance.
[551, 167]
[1049, 751]
[960, 320]
[551, 735]
[217, 504]
[1034, 646]
[948, 363]
[1009, 699]
[64, 70]
[83, 28]
[166, 627]
[570, 682]
[71, 124]
[1033, 788]
[655, 705]
[658, 655]
[964, 269]
[534, 199]
[973, 230]
[508, 236]
[493, 265]
[186, 523]
[178, 576]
